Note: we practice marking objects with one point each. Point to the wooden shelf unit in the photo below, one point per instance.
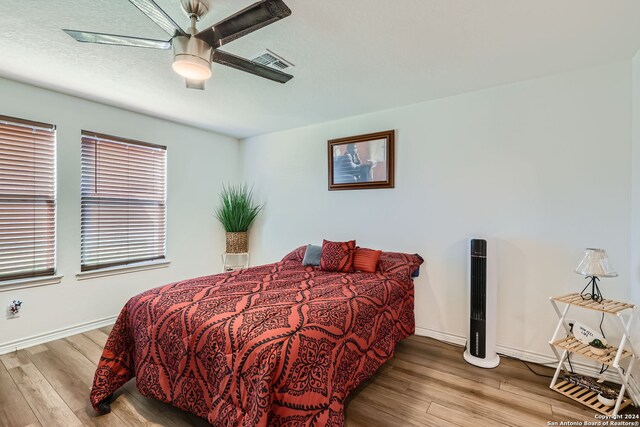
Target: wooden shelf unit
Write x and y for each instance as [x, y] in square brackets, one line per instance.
[564, 346]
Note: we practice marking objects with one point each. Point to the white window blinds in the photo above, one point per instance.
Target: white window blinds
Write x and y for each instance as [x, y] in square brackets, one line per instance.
[27, 198]
[123, 201]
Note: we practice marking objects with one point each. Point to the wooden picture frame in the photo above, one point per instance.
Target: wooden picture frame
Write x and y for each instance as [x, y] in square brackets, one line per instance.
[362, 162]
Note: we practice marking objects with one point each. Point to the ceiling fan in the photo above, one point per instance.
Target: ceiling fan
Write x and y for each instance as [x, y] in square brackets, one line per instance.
[194, 51]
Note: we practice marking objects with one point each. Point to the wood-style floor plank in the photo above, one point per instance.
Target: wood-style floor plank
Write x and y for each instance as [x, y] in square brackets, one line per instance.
[176, 417]
[445, 357]
[546, 395]
[458, 417]
[362, 413]
[394, 403]
[87, 347]
[470, 387]
[45, 402]
[88, 417]
[483, 403]
[427, 383]
[138, 414]
[106, 329]
[14, 409]
[97, 336]
[67, 370]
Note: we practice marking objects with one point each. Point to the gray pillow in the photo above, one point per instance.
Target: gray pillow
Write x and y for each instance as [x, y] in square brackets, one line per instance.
[312, 255]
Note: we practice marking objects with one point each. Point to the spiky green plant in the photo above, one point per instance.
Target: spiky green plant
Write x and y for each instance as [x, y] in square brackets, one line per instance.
[237, 210]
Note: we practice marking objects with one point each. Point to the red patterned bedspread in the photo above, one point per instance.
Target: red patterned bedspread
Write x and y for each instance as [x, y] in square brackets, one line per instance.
[274, 345]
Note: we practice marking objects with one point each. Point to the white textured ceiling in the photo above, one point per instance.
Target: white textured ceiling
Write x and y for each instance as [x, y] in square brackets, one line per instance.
[351, 56]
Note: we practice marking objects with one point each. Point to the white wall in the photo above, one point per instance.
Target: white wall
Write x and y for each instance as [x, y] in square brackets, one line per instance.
[635, 179]
[198, 163]
[634, 272]
[542, 166]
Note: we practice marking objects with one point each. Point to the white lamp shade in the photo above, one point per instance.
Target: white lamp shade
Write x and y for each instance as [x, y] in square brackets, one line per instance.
[595, 263]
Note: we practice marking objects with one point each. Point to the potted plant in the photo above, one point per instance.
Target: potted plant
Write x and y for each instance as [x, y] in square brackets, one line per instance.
[236, 212]
[598, 347]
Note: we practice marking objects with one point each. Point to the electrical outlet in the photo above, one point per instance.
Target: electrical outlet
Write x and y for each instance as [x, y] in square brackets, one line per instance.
[13, 309]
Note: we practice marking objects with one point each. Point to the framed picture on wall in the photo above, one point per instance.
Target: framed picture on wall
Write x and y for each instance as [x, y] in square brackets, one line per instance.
[362, 162]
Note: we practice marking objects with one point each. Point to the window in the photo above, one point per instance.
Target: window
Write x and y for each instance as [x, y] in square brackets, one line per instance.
[27, 199]
[123, 201]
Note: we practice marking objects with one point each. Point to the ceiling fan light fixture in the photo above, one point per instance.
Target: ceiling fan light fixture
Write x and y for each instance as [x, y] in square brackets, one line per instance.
[192, 58]
[192, 67]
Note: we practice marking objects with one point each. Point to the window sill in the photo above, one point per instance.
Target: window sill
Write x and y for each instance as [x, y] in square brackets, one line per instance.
[31, 282]
[112, 271]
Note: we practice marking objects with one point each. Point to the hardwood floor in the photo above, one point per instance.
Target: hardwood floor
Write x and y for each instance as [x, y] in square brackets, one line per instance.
[427, 383]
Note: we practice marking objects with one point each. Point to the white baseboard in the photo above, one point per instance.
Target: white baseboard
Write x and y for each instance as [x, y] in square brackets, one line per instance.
[528, 356]
[54, 335]
[441, 336]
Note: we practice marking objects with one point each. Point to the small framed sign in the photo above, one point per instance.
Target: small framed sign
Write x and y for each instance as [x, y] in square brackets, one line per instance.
[362, 161]
[585, 334]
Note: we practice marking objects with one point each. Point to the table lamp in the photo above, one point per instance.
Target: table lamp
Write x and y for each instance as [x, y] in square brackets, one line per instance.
[594, 264]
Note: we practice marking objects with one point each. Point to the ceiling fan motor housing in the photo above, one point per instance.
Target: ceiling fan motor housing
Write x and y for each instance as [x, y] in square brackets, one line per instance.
[192, 58]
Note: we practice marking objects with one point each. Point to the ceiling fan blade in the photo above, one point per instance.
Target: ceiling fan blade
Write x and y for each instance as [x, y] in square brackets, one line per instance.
[113, 39]
[159, 16]
[195, 84]
[242, 64]
[244, 22]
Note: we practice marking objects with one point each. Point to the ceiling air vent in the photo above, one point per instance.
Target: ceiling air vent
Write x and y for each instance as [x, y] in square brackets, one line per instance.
[272, 60]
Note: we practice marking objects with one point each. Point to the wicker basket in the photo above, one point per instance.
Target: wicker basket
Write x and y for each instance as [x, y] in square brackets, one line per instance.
[237, 243]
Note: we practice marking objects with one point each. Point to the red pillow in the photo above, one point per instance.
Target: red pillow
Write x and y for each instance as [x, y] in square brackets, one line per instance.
[366, 260]
[398, 264]
[337, 256]
[295, 255]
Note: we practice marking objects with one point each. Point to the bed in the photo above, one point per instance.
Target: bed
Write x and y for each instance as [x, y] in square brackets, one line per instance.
[273, 345]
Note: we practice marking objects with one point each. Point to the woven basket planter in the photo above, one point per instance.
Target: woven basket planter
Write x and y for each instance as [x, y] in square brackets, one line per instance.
[237, 243]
